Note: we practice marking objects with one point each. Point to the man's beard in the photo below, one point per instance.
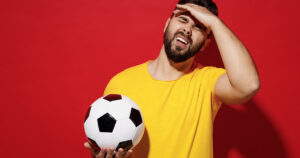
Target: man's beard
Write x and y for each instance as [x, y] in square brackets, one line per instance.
[174, 54]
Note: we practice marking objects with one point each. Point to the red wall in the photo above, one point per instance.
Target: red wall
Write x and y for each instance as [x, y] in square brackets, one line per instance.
[57, 56]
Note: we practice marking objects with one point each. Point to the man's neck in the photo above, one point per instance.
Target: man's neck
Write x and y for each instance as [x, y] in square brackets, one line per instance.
[166, 70]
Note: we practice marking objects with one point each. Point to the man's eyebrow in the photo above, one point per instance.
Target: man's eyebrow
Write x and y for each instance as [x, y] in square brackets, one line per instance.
[186, 15]
[197, 23]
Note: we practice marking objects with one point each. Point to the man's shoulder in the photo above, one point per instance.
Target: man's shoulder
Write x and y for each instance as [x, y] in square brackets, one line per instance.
[125, 79]
[207, 74]
[131, 72]
[208, 70]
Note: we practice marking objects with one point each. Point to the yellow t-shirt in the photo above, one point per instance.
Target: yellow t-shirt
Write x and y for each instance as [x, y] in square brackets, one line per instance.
[178, 114]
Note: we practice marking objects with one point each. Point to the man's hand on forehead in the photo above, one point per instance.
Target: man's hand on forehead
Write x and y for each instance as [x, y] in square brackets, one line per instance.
[178, 12]
[199, 13]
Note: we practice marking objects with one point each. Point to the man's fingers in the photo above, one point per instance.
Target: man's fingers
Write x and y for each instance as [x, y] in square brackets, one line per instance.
[183, 7]
[179, 11]
[128, 153]
[107, 153]
[110, 153]
[119, 153]
[186, 8]
[89, 146]
[102, 153]
[122, 154]
[201, 14]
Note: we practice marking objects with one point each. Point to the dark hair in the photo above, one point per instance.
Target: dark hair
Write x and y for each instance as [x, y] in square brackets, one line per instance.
[209, 4]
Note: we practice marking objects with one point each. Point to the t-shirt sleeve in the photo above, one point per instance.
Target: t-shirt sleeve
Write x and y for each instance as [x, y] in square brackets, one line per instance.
[113, 87]
[213, 75]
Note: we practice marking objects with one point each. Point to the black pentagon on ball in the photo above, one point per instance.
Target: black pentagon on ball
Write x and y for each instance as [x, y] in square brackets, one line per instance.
[135, 117]
[106, 123]
[125, 145]
[112, 97]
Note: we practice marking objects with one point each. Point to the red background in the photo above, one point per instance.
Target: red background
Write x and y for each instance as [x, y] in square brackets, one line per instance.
[57, 56]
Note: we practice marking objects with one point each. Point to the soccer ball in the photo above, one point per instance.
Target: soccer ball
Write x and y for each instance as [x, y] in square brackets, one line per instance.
[114, 121]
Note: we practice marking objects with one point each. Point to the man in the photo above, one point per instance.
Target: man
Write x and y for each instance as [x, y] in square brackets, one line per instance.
[179, 99]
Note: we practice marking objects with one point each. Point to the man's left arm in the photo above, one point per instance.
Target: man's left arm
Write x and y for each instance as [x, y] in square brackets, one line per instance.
[241, 80]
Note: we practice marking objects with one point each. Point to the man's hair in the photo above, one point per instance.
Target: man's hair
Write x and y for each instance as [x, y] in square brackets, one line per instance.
[209, 4]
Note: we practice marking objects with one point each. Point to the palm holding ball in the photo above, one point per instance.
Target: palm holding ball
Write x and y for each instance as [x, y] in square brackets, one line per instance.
[114, 121]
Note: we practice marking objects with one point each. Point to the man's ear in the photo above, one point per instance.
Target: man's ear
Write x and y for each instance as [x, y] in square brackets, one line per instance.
[167, 23]
[206, 44]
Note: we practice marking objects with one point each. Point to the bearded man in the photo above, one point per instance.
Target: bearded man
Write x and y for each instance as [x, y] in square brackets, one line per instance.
[180, 98]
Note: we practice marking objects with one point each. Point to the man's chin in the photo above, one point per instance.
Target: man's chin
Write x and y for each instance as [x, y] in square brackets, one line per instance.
[179, 49]
[180, 52]
[178, 60]
[178, 57]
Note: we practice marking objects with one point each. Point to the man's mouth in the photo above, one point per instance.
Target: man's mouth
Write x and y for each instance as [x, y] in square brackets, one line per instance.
[181, 40]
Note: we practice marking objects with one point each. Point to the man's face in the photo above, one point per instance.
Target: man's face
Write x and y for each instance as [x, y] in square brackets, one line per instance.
[183, 37]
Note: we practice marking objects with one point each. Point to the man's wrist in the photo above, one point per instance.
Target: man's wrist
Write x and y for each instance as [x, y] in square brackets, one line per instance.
[215, 22]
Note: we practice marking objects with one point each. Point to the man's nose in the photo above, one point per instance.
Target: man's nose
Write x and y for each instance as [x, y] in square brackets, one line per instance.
[187, 30]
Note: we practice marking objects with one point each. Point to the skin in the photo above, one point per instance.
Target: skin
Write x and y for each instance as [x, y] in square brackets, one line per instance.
[236, 86]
